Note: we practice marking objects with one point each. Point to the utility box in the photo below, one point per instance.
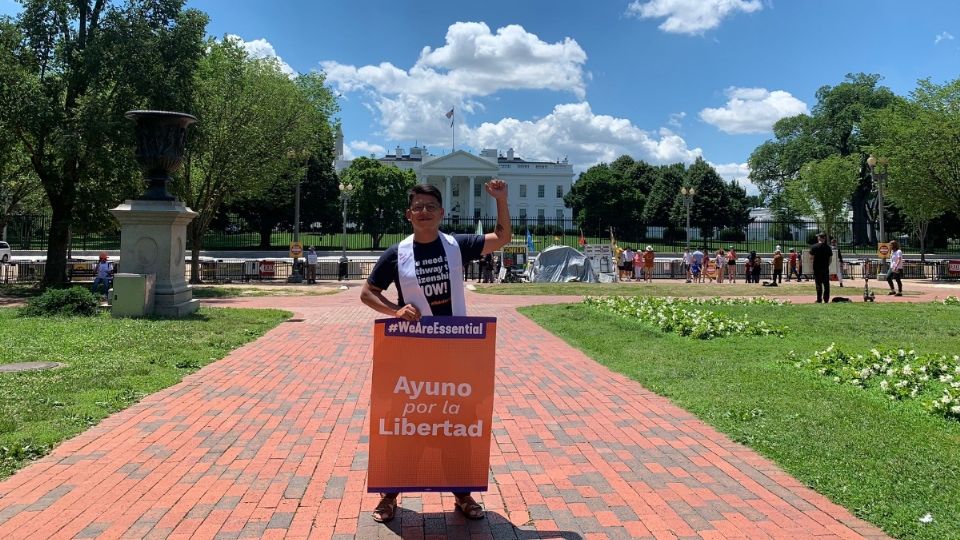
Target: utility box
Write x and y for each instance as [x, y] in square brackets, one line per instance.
[132, 295]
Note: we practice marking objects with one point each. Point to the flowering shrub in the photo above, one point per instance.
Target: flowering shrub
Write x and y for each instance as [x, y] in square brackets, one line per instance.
[680, 316]
[899, 374]
[951, 301]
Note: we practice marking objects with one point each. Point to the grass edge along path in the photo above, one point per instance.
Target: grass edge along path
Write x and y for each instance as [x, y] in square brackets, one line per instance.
[109, 364]
[888, 463]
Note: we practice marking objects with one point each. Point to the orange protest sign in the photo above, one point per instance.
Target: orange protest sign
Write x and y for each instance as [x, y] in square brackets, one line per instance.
[431, 404]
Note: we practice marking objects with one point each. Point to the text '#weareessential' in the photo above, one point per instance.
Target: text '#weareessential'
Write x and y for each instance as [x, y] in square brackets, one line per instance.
[438, 327]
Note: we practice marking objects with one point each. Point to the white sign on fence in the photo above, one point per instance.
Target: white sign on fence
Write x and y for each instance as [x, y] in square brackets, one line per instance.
[601, 256]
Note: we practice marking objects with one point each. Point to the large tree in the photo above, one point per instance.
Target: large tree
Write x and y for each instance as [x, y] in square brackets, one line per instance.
[833, 127]
[69, 69]
[257, 127]
[379, 196]
[919, 139]
[271, 203]
[601, 197]
[19, 185]
[823, 189]
[717, 204]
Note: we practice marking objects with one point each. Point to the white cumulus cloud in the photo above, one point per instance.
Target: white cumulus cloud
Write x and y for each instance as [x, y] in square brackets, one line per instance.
[574, 131]
[753, 110]
[739, 172]
[942, 36]
[690, 16]
[473, 63]
[261, 48]
[355, 149]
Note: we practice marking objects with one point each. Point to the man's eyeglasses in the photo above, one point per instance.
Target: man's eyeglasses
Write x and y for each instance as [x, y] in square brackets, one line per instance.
[418, 208]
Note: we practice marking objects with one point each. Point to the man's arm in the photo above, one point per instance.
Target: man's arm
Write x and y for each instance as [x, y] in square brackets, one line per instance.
[502, 233]
[373, 297]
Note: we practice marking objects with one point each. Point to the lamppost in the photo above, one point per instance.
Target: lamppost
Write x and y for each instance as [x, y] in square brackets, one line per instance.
[346, 191]
[879, 179]
[297, 275]
[687, 194]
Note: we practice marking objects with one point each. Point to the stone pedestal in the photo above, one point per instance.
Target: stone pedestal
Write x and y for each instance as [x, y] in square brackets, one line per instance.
[153, 240]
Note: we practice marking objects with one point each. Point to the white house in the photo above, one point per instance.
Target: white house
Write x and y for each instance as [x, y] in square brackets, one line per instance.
[536, 188]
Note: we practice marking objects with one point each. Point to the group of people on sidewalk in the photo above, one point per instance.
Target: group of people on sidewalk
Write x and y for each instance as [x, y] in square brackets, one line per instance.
[637, 265]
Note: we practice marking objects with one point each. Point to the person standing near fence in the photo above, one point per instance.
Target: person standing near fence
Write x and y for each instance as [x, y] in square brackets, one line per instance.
[822, 254]
[732, 264]
[777, 266]
[687, 263]
[896, 269]
[836, 252]
[311, 265]
[648, 257]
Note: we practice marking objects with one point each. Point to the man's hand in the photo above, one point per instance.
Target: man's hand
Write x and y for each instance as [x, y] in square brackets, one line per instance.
[408, 312]
[497, 189]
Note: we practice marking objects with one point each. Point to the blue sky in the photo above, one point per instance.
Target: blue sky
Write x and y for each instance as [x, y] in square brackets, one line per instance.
[661, 80]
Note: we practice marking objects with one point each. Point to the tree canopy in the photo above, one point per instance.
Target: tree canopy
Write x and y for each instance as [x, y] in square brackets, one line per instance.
[68, 72]
[832, 128]
[822, 189]
[257, 130]
[379, 196]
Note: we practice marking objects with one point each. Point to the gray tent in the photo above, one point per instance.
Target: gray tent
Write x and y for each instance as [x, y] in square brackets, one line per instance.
[559, 264]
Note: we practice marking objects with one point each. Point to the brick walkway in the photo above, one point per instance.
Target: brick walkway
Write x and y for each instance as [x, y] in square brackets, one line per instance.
[271, 442]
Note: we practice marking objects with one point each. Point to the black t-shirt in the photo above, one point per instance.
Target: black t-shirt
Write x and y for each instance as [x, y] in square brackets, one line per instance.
[433, 272]
[821, 256]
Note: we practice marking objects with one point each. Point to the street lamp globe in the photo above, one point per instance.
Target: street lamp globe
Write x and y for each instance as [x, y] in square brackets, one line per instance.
[871, 161]
[683, 191]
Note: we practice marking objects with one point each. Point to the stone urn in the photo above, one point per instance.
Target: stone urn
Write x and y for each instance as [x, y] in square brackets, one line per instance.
[161, 138]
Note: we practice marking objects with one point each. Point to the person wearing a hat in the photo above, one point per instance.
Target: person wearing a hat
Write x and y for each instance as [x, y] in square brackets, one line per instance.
[311, 265]
[102, 273]
[648, 264]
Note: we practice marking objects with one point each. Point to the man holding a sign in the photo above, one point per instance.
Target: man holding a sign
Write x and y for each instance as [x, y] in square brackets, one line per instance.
[426, 269]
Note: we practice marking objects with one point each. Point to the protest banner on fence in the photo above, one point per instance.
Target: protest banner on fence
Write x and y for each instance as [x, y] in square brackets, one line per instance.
[431, 404]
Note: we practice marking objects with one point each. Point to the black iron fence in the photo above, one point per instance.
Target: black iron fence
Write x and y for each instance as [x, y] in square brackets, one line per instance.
[278, 271]
[762, 236]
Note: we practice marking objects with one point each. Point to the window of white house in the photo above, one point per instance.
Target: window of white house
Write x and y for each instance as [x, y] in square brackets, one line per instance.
[476, 213]
[559, 213]
[541, 191]
[523, 190]
[541, 216]
[476, 190]
[456, 190]
[559, 192]
[523, 213]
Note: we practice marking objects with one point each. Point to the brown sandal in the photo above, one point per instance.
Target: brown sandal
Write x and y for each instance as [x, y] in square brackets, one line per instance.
[469, 507]
[385, 510]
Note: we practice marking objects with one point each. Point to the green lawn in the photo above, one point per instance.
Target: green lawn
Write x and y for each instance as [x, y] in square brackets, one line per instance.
[217, 291]
[109, 365]
[889, 462]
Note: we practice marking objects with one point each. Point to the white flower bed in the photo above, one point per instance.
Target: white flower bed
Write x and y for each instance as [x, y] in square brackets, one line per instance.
[681, 316]
[899, 374]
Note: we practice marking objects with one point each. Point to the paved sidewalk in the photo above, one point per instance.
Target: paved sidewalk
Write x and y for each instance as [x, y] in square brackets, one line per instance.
[271, 442]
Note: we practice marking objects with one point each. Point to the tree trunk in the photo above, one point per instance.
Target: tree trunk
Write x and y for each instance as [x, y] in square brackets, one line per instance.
[195, 237]
[58, 240]
[859, 205]
[266, 231]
